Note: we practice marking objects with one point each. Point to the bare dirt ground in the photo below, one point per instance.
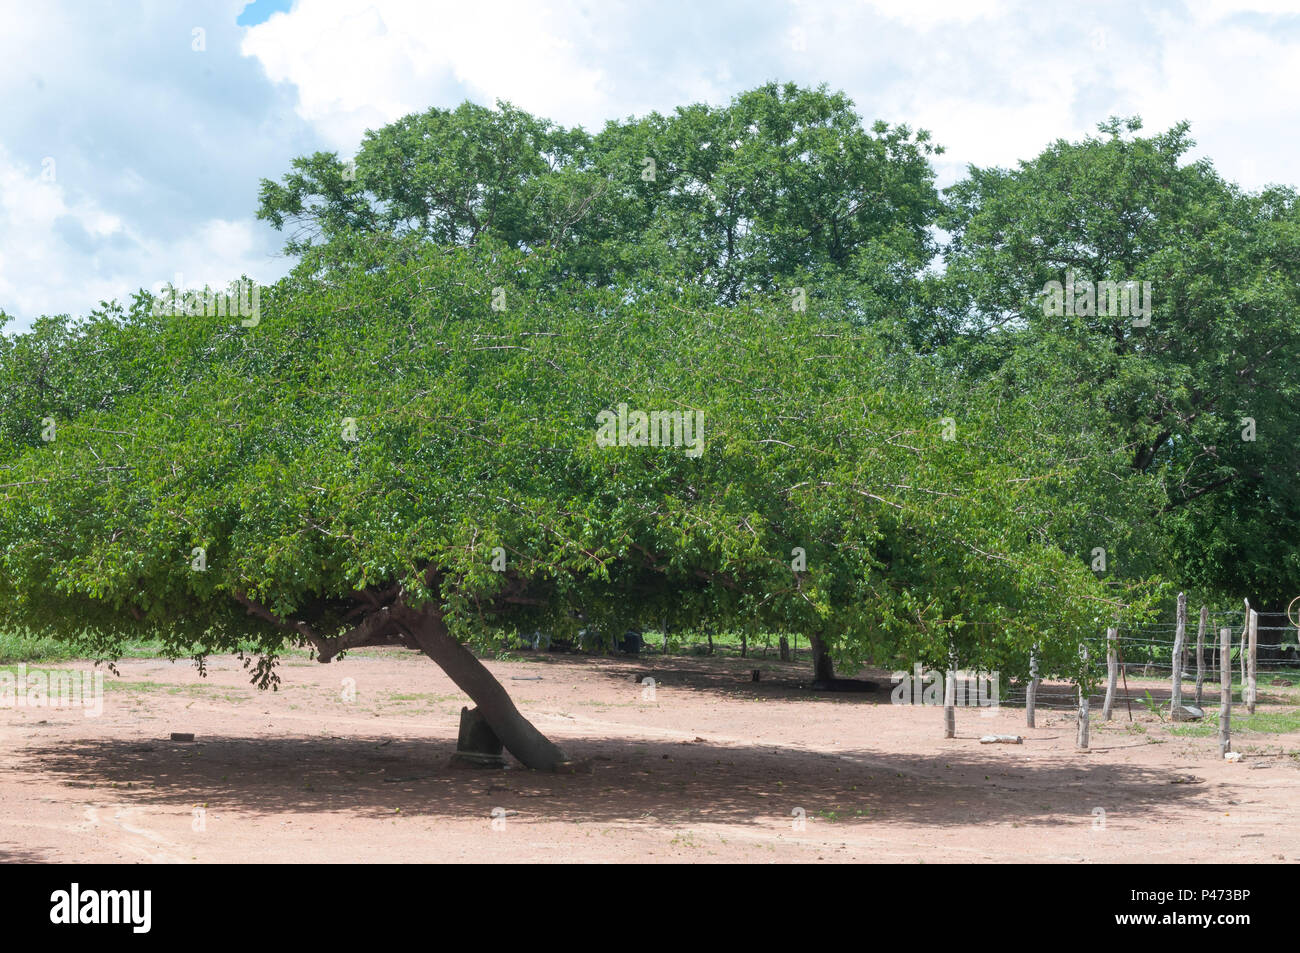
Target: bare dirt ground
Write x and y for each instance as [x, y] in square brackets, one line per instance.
[715, 768]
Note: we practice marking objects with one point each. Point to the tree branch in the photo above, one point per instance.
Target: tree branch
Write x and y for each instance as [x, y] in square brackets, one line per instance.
[375, 629]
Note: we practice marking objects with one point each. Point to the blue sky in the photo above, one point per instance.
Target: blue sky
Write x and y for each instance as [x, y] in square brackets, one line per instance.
[133, 137]
[259, 11]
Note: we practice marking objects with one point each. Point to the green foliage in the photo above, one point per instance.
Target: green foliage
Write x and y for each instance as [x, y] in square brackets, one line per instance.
[481, 284]
[781, 186]
[1220, 345]
[1153, 706]
[63, 367]
[476, 429]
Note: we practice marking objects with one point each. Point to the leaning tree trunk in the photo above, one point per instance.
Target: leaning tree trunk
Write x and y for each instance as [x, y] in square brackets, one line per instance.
[823, 669]
[516, 732]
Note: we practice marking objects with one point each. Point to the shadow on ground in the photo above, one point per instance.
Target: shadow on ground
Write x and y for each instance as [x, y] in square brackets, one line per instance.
[11, 853]
[629, 780]
[792, 681]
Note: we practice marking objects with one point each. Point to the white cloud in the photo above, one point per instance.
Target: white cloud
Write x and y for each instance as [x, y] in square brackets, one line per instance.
[1205, 12]
[159, 149]
[998, 82]
[932, 13]
[32, 259]
[995, 80]
[362, 69]
[64, 253]
[155, 151]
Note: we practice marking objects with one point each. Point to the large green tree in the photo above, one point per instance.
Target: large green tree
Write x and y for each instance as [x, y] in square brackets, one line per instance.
[408, 445]
[351, 470]
[780, 187]
[1203, 389]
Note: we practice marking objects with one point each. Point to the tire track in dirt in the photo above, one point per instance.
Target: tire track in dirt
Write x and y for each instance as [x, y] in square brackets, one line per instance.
[157, 850]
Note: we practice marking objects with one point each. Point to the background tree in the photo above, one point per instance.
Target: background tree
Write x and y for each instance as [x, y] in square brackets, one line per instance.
[782, 185]
[1223, 269]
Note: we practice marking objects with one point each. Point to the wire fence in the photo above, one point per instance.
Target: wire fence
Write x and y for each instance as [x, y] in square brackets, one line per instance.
[1145, 659]
[1146, 654]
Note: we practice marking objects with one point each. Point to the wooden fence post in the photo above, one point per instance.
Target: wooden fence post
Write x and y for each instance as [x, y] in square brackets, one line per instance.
[950, 699]
[1225, 691]
[1082, 739]
[1252, 652]
[1245, 630]
[1200, 652]
[1180, 636]
[1031, 691]
[1112, 671]
[1214, 662]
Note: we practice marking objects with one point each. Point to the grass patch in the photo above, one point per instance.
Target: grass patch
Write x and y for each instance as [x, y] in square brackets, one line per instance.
[21, 647]
[1262, 722]
[114, 684]
[420, 697]
[24, 647]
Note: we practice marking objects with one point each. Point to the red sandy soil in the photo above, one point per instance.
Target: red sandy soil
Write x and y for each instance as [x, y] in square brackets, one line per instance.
[715, 768]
